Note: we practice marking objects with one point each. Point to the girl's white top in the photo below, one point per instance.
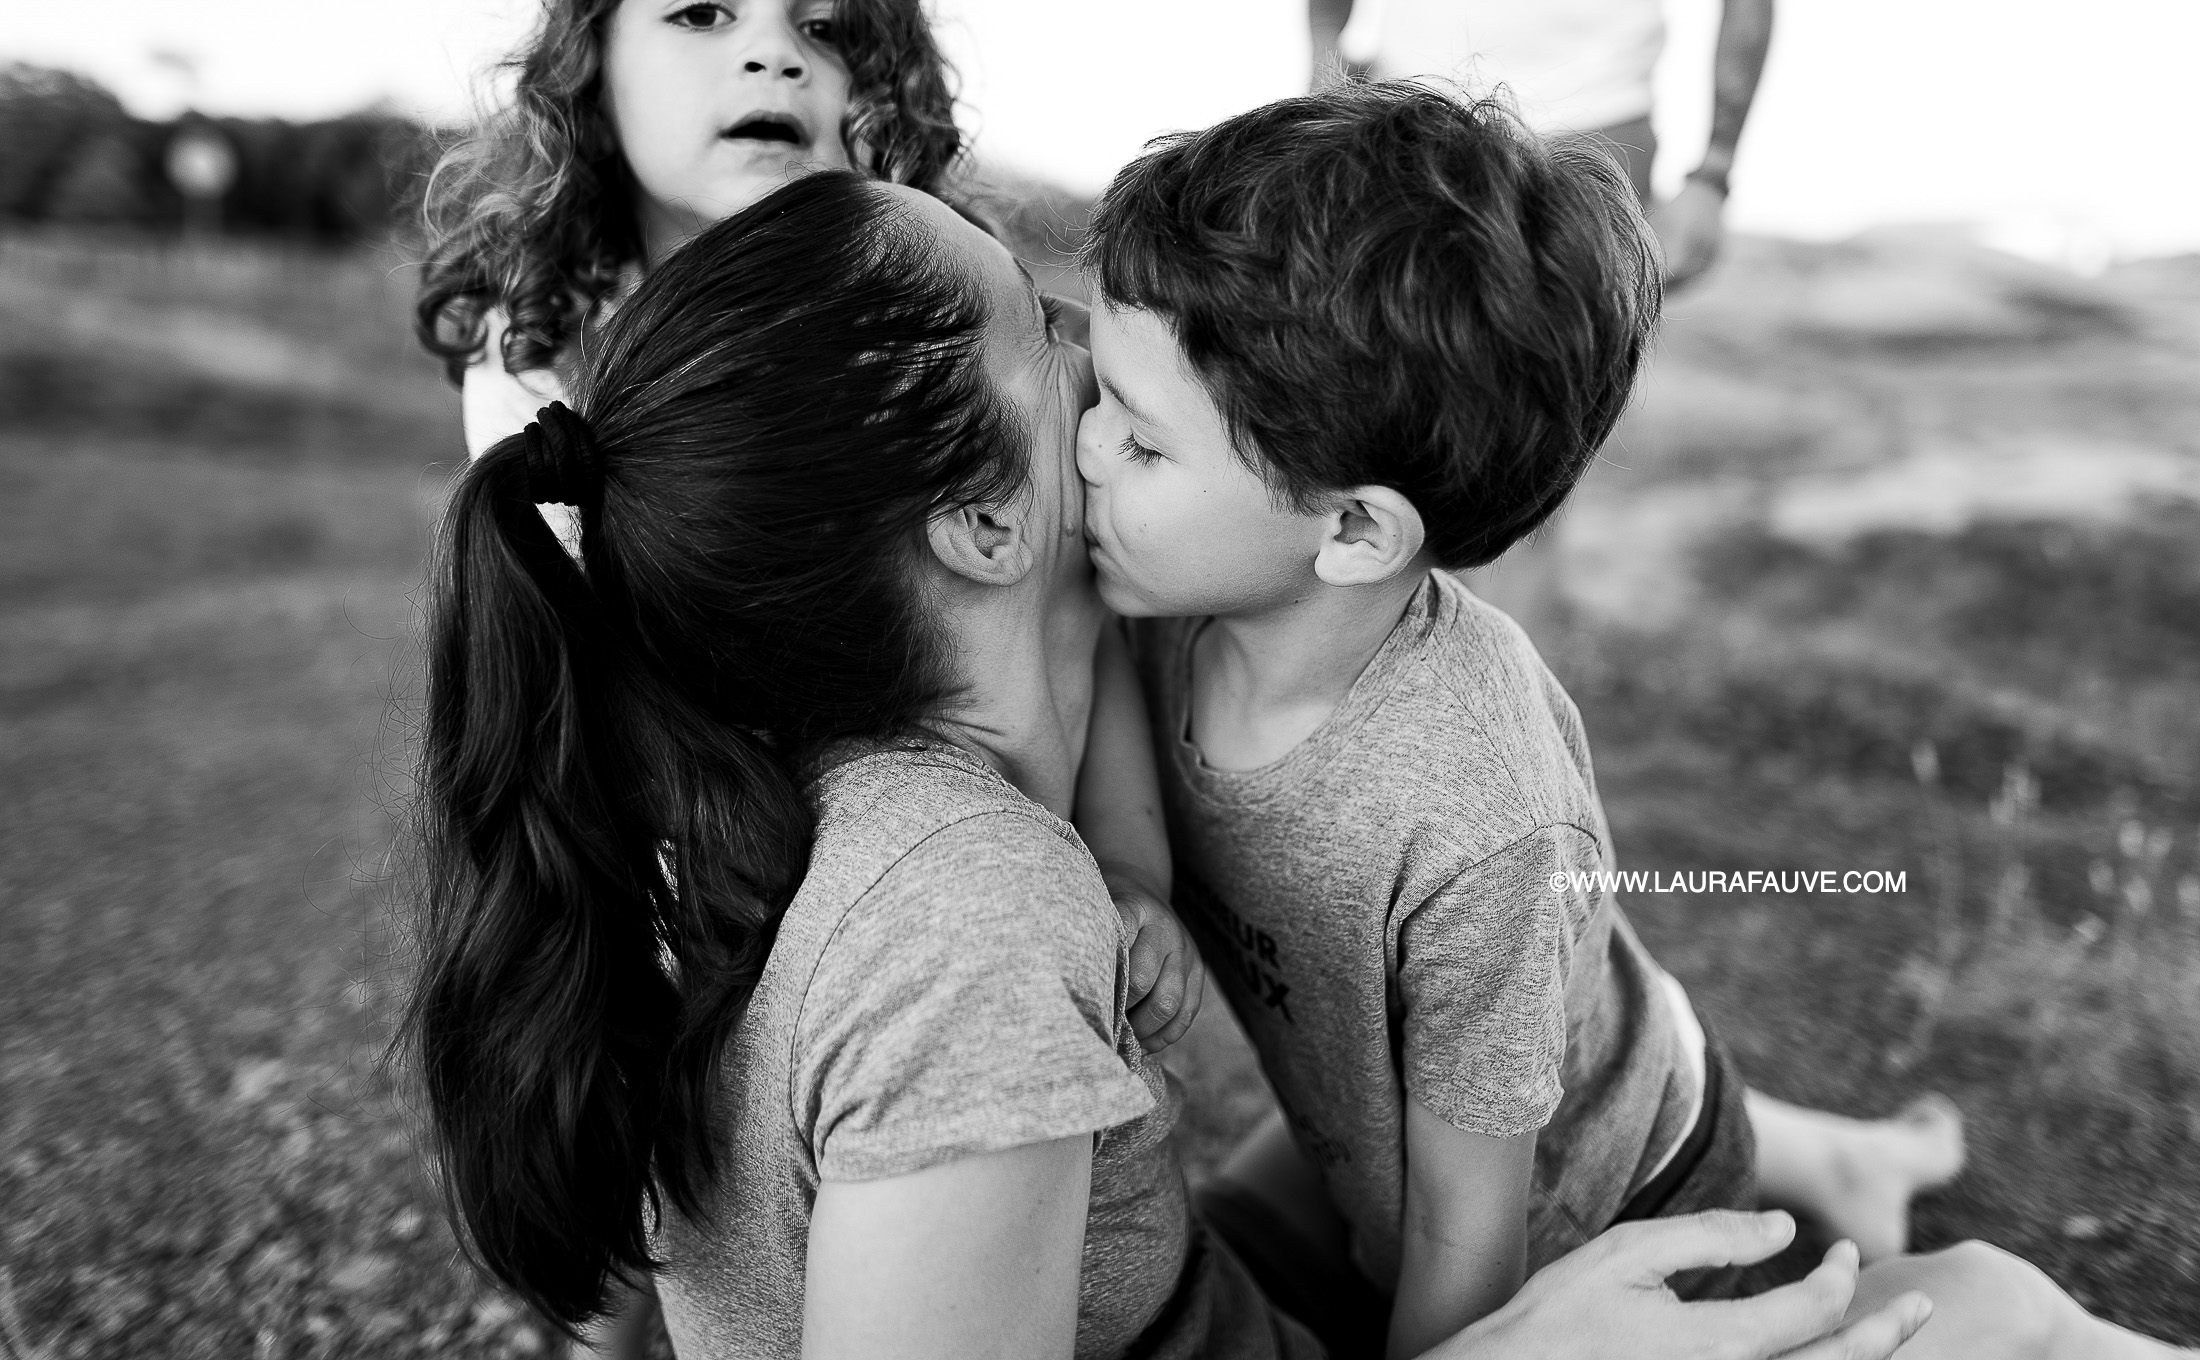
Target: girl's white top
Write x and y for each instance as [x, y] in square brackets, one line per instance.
[496, 403]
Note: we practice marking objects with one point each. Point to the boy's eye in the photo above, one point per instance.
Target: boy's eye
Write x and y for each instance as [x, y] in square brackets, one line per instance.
[698, 16]
[1137, 452]
[823, 32]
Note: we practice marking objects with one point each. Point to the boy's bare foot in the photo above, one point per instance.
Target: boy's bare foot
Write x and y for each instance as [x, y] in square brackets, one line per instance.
[1886, 1163]
[1857, 1176]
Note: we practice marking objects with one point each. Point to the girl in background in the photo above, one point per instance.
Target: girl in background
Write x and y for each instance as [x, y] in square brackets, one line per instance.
[633, 125]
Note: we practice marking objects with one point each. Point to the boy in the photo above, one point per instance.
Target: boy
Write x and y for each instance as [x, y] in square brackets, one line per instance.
[1347, 344]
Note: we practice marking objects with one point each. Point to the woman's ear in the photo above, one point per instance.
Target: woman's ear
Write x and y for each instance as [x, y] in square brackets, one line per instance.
[1373, 534]
[987, 544]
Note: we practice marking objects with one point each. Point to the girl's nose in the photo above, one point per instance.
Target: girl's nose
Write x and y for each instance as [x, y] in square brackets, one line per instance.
[774, 48]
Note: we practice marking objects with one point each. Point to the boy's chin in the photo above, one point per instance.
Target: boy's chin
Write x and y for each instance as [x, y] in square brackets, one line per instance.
[1125, 600]
[1129, 603]
[1119, 598]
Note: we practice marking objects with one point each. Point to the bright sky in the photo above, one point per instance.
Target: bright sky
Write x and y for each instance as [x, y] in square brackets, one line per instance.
[2062, 127]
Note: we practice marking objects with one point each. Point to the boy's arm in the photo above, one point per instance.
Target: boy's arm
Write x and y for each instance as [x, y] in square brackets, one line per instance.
[1119, 815]
[1466, 1229]
[1483, 965]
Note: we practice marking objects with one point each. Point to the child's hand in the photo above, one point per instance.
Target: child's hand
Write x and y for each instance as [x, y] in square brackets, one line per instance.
[1167, 979]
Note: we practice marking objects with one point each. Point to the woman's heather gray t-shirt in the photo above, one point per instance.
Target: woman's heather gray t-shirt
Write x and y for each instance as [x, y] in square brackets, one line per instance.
[1379, 907]
[948, 981]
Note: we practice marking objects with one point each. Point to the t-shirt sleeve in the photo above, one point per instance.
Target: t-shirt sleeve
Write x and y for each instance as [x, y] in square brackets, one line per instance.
[968, 1003]
[1482, 971]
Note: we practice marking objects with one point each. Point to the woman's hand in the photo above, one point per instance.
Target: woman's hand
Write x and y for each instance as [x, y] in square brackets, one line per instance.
[1609, 1298]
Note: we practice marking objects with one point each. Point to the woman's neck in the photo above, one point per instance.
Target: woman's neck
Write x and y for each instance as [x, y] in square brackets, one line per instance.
[1025, 663]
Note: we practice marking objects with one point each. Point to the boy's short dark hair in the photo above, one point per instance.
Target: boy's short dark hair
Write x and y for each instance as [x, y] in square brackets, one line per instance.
[1385, 284]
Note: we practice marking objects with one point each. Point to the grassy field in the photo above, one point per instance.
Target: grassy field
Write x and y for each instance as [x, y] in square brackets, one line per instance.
[216, 470]
[1892, 569]
[1933, 605]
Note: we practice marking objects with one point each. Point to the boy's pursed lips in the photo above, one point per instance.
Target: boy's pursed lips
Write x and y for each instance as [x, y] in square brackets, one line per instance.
[1095, 550]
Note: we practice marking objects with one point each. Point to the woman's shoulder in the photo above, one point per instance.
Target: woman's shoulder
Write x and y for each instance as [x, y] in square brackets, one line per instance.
[927, 822]
[495, 402]
[960, 972]
[928, 865]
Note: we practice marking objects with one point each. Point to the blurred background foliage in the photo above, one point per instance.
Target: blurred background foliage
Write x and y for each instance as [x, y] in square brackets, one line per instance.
[70, 153]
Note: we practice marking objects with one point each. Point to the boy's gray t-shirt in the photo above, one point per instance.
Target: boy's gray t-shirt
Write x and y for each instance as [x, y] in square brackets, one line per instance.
[1379, 907]
[948, 981]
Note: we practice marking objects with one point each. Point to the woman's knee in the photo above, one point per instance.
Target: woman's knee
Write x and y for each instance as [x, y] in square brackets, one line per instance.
[1987, 1304]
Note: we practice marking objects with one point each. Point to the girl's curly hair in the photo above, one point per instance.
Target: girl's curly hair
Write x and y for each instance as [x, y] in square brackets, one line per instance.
[534, 211]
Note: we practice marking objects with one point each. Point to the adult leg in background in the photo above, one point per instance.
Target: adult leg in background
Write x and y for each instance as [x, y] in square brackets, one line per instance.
[1527, 581]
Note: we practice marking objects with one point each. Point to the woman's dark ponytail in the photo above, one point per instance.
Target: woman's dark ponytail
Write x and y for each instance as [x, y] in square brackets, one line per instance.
[575, 991]
[613, 821]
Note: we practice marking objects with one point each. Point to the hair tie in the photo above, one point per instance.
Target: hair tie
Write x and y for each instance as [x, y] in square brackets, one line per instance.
[563, 464]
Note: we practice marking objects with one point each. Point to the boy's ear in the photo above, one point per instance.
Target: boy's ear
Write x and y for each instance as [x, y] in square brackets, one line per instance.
[1371, 535]
[982, 543]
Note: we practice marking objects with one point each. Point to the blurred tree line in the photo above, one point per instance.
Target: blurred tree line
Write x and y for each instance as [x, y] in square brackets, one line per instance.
[69, 152]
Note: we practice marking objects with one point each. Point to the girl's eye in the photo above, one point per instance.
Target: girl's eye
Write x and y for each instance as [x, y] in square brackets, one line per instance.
[1137, 452]
[823, 32]
[698, 16]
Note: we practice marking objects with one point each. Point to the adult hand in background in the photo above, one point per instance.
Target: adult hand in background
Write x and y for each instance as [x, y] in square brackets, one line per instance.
[1691, 226]
[1608, 1298]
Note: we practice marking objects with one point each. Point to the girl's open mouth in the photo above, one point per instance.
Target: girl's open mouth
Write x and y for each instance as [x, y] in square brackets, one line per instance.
[766, 127]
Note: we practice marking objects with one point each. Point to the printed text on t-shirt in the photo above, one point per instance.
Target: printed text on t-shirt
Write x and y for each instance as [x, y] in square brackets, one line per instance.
[1253, 958]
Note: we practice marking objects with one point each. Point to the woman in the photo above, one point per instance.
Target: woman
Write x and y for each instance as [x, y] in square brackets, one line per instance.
[758, 958]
